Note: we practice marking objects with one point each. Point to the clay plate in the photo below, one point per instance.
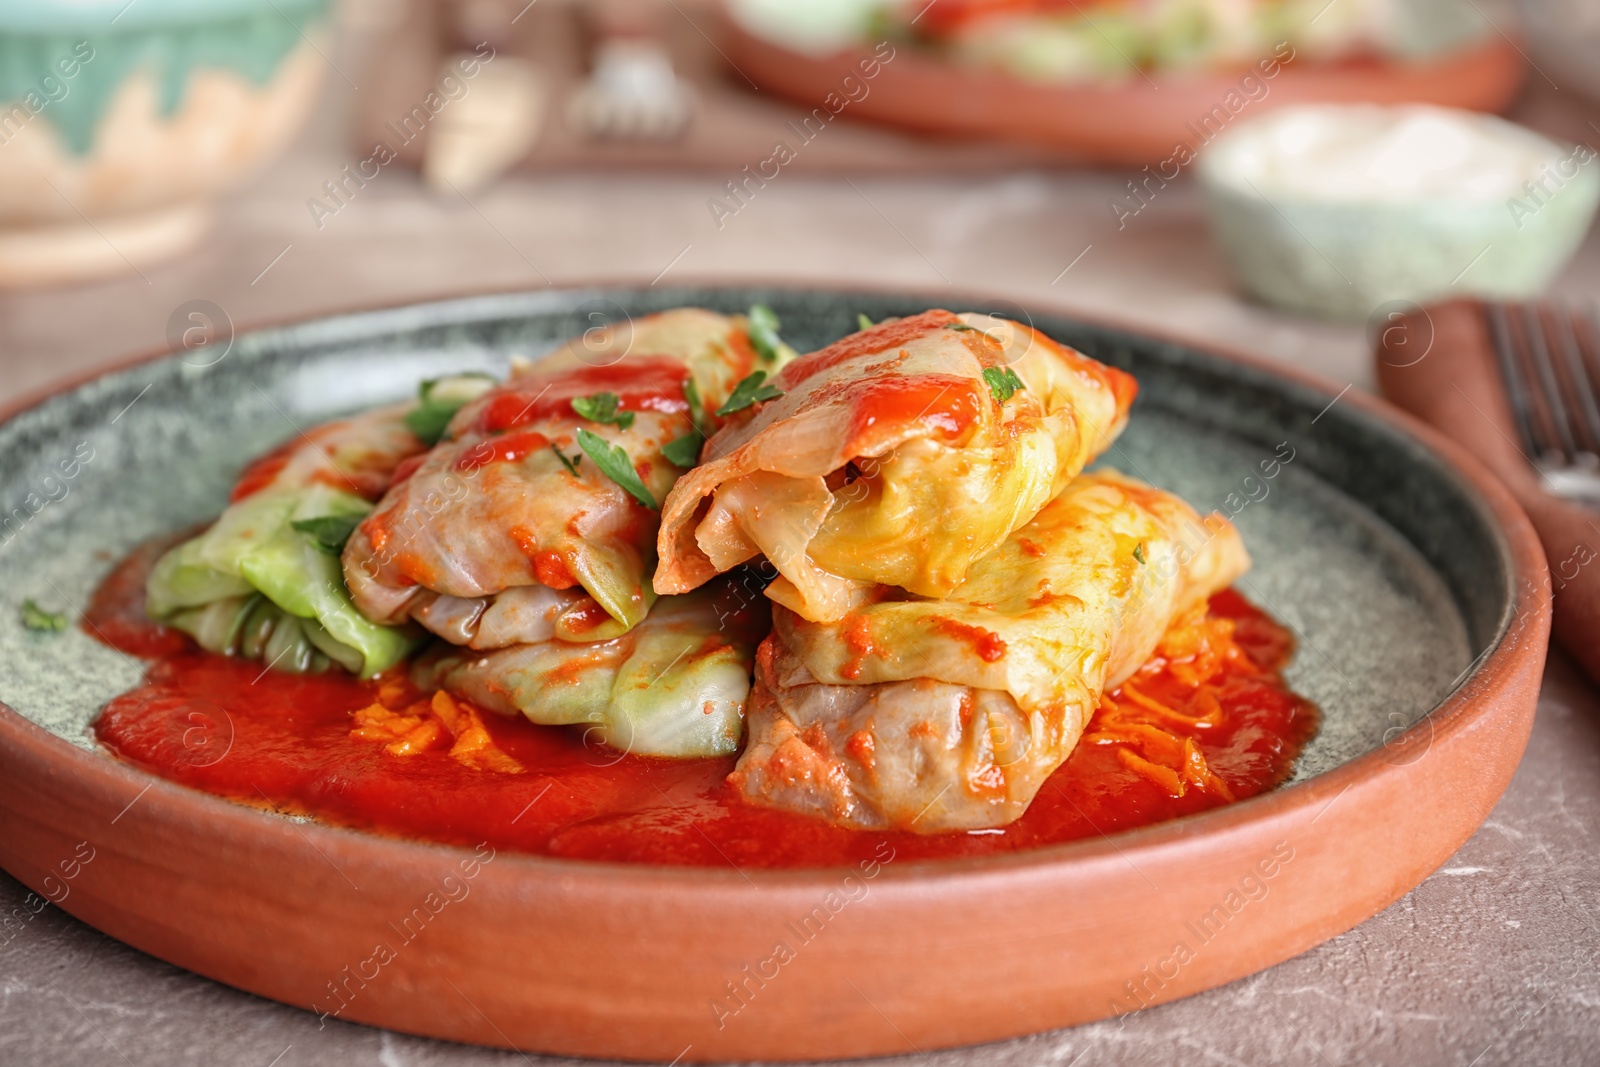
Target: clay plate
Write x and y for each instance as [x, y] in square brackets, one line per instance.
[1131, 123]
[1416, 586]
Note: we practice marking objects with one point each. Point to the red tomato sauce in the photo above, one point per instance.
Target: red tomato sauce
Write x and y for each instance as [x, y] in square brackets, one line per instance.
[946, 404]
[989, 647]
[406, 468]
[511, 448]
[264, 471]
[283, 742]
[643, 383]
[881, 338]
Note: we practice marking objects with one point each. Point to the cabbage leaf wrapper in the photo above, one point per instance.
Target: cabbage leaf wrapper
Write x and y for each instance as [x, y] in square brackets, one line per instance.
[899, 455]
[673, 686]
[264, 581]
[939, 715]
[543, 491]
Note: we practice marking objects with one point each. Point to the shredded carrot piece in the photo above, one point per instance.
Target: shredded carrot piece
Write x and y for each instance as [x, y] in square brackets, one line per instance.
[1199, 773]
[378, 723]
[1195, 649]
[1153, 740]
[1158, 739]
[1161, 711]
[1162, 776]
[425, 725]
[424, 737]
[449, 712]
[473, 745]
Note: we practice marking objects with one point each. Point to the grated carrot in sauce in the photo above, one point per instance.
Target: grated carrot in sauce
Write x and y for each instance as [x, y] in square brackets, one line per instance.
[410, 727]
[1198, 655]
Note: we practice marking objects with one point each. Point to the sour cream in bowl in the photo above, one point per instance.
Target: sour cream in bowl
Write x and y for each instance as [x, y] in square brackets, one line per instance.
[1336, 209]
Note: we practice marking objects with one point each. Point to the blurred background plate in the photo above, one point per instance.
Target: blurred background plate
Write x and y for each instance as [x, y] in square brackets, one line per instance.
[1132, 122]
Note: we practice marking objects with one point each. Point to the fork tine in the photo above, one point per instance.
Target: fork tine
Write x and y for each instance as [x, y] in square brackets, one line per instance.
[1545, 374]
[1515, 381]
[1588, 408]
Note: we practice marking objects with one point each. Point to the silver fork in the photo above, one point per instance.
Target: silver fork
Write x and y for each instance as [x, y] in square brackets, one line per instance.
[1550, 360]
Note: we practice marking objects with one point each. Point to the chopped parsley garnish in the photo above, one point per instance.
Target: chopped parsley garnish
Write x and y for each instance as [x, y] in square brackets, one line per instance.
[762, 328]
[862, 322]
[438, 401]
[330, 532]
[750, 391]
[1003, 383]
[36, 618]
[615, 464]
[684, 451]
[1138, 552]
[697, 407]
[961, 326]
[569, 462]
[603, 408]
[428, 421]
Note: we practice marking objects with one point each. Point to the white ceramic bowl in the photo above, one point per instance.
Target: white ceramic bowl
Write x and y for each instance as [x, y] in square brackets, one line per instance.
[1335, 209]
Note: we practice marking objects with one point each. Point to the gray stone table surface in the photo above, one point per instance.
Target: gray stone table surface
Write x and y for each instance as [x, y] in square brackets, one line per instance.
[1492, 960]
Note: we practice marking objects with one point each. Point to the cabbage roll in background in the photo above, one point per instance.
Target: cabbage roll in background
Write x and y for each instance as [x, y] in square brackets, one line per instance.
[264, 580]
[542, 495]
[673, 686]
[899, 455]
[939, 715]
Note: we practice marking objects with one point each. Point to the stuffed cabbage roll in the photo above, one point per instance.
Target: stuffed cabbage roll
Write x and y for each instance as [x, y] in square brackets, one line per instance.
[264, 581]
[899, 456]
[542, 494]
[674, 685]
[936, 715]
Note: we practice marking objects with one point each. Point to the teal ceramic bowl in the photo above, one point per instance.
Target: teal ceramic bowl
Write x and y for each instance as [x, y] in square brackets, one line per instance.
[119, 121]
[1344, 255]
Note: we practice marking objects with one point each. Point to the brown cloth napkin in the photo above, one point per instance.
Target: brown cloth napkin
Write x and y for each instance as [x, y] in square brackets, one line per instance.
[1439, 364]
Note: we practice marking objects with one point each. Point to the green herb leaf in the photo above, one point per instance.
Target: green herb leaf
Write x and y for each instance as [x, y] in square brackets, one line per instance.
[428, 421]
[603, 408]
[438, 399]
[1003, 383]
[862, 322]
[697, 407]
[330, 532]
[36, 618]
[961, 326]
[569, 462]
[749, 391]
[615, 464]
[762, 327]
[684, 451]
[1138, 552]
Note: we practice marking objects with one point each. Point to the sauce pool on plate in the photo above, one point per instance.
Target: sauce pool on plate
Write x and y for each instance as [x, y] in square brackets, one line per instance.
[1210, 720]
